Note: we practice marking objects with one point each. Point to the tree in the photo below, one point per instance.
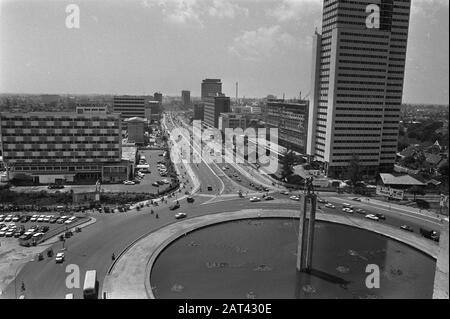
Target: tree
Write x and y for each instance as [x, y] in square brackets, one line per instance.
[354, 170]
[287, 162]
[416, 190]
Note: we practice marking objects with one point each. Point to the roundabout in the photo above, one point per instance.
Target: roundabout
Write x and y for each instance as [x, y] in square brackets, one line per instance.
[132, 275]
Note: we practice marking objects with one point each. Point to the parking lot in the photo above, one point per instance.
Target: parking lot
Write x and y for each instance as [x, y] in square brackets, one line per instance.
[31, 227]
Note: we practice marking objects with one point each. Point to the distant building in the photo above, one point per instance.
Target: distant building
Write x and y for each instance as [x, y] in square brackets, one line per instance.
[231, 120]
[131, 106]
[291, 119]
[213, 107]
[186, 98]
[136, 130]
[199, 111]
[157, 96]
[92, 107]
[154, 110]
[211, 88]
[49, 147]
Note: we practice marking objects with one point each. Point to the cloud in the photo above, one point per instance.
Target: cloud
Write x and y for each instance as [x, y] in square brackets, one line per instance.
[259, 44]
[194, 11]
[287, 10]
[226, 9]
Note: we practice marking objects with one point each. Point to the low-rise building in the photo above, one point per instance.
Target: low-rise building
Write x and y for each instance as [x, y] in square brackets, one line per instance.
[231, 120]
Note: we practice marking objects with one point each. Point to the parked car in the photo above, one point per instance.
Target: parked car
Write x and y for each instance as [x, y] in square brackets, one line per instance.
[155, 184]
[209, 188]
[129, 183]
[255, 199]
[320, 200]
[294, 197]
[329, 205]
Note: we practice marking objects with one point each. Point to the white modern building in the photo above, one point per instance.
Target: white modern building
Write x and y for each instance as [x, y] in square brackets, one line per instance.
[357, 85]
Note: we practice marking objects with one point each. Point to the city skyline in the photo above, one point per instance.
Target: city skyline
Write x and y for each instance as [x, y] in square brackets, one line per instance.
[265, 46]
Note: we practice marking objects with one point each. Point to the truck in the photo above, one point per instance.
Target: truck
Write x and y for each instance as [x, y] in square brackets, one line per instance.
[430, 234]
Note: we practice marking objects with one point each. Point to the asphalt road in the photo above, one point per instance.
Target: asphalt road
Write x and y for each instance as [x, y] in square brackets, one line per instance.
[93, 247]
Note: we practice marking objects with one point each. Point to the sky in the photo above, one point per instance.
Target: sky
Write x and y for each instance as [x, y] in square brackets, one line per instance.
[144, 46]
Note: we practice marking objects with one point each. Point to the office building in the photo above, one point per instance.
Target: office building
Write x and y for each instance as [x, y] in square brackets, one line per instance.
[357, 86]
[199, 111]
[49, 147]
[131, 106]
[291, 120]
[136, 130]
[213, 107]
[211, 88]
[231, 120]
[186, 98]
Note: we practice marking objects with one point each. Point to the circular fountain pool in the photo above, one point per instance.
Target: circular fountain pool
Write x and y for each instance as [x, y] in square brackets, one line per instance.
[256, 258]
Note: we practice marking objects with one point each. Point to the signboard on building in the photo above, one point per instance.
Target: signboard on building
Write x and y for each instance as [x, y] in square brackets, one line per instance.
[390, 192]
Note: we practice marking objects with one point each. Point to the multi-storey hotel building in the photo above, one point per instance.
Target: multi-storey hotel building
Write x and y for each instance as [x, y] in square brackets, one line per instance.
[357, 85]
[46, 147]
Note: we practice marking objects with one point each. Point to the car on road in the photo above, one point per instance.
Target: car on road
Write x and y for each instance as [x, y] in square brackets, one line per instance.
[190, 199]
[59, 258]
[255, 199]
[407, 228]
[55, 186]
[372, 217]
[180, 215]
[361, 211]
[294, 197]
[175, 206]
[129, 183]
[356, 199]
[380, 216]
[269, 198]
[323, 201]
[348, 210]
[329, 205]
[347, 205]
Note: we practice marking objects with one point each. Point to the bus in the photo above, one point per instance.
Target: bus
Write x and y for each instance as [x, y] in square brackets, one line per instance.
[90, 285]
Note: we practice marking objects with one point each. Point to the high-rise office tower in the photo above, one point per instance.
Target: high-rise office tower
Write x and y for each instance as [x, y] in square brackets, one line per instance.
[211, 88]
[213, 107]
[186, 98]
[357, 84]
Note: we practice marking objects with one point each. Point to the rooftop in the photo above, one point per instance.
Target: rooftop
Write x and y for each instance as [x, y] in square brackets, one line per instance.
[389, 179]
